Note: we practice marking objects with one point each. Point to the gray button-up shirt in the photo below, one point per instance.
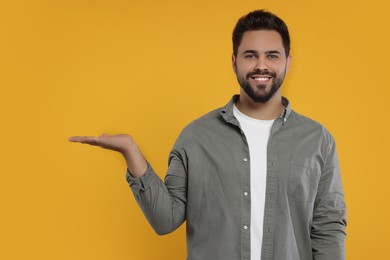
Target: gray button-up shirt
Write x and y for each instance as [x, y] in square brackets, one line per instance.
[208, 186]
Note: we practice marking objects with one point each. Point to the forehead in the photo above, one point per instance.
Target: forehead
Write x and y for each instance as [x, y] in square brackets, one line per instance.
[261, 41]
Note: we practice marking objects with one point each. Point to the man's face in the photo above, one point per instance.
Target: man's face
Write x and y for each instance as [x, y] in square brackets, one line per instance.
[261, 64]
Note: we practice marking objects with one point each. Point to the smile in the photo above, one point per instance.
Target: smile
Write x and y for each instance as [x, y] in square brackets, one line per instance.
[261, 79]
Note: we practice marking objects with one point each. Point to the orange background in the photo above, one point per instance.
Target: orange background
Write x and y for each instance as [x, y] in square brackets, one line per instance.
[148, 68]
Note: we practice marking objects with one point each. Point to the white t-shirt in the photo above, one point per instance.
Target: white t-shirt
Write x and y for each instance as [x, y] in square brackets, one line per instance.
[257, 134]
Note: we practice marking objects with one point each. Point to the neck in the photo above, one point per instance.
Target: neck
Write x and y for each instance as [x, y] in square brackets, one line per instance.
[263, 111]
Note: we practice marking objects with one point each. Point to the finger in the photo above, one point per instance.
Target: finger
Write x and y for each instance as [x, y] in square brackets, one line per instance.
[84, 139]
[73, 138]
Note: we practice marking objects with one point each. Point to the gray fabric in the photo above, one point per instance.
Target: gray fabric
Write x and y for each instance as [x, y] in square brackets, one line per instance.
[209, 172]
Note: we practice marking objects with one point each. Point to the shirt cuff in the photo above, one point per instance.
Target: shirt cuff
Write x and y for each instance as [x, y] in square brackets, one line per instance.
[142, 183]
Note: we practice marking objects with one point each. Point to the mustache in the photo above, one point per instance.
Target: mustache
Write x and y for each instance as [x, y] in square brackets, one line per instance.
[261, 73]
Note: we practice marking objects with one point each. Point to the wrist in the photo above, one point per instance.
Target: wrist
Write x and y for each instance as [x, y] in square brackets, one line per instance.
[130, 150]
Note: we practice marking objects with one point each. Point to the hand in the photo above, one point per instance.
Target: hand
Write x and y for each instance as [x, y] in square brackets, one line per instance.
[120, 143]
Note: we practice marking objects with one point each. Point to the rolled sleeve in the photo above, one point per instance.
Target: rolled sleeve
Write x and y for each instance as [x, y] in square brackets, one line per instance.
[163, 203]
[142, 183]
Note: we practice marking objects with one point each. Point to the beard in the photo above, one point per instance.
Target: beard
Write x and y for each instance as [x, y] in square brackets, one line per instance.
[259, 93]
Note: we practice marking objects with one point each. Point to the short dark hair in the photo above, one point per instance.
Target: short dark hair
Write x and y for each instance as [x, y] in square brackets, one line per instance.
[260, 20]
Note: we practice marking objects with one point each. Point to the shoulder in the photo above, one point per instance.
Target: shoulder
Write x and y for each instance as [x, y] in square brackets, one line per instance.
[206, 125]
[311, 127]
[207, 120]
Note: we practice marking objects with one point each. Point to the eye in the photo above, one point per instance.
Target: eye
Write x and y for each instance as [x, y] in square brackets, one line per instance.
[273, 56]
[250, 56]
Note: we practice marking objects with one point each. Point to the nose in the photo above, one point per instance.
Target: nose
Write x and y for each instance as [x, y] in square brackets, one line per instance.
[261, 63]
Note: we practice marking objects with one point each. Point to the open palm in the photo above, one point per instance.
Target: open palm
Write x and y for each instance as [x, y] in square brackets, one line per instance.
[120, 142]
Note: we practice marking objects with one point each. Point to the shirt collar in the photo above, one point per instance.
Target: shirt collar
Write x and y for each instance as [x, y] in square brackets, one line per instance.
[227, 110]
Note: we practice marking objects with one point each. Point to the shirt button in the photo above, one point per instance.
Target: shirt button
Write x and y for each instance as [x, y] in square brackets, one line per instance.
[245, 227]
[245, 159]
[245, 193]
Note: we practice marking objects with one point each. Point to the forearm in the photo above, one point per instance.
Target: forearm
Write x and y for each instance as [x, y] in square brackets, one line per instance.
[135, 161]
[163, 203]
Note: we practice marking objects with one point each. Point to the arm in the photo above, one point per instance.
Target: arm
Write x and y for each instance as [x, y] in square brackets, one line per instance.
[329, 216]
[163, 203]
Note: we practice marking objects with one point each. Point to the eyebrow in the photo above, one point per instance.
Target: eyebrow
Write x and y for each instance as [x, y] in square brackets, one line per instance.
[267, 52]
[250, 51]
[273, 52]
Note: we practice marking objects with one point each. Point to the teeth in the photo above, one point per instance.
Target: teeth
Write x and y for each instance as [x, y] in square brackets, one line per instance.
[261, 79]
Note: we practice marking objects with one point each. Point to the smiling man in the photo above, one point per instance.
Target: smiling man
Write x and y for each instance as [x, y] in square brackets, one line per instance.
[263, 63]
[253, 179]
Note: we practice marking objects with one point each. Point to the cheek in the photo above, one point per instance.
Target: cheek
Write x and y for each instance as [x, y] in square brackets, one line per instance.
[240, 73]
[282, 70]
[278, 67]
[243, 68]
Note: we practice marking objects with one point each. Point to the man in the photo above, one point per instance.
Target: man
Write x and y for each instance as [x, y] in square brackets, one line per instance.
[254, 179]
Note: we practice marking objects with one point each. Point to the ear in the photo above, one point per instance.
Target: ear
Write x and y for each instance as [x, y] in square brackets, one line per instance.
[288, 62]
[234, 63]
